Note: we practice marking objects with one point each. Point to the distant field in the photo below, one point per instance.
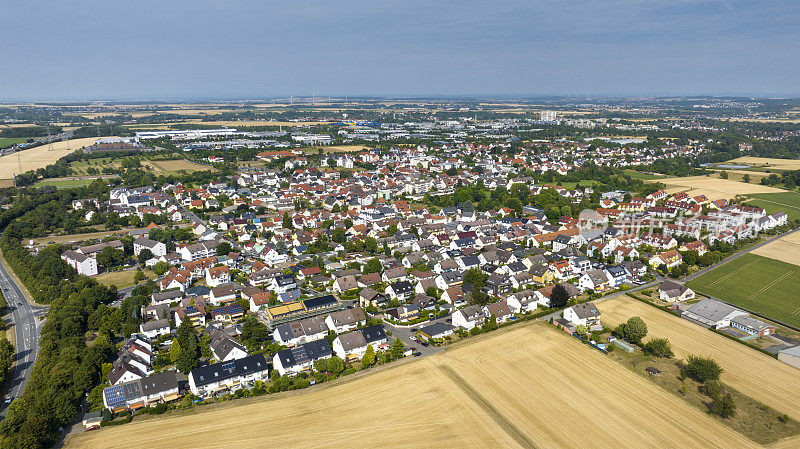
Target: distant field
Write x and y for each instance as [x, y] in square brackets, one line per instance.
[6, 142]
[714, 188]
[780, 164]
[530, 386]
[757, 283]
[643, 176]
[582, 183]
[228, 123]
[788, 202]
[165, 167]
[786, 249]
[39, 157]
[73, 238]
[338, 149]
[755, 374]
[65, 183]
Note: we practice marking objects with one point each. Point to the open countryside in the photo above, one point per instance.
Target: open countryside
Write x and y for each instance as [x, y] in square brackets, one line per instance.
[39, 157]
[528, 386]
[788, 202]
[713, 188]
[786, 249]
[763, 285]
[764, 378]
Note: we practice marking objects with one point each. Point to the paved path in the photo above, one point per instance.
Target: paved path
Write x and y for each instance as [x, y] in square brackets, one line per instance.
[23, 317]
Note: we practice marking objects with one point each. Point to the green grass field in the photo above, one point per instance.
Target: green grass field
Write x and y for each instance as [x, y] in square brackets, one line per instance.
[756, 283]
[788, 202]
[64, 183]
[6, 142]
[643, 176]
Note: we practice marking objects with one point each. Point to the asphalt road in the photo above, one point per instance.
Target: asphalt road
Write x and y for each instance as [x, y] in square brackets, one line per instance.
[26, 330]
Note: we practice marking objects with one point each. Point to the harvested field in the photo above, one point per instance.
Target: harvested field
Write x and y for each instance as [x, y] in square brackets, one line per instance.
[39, 157]
[713, 188]
[73, 238]
[757, 375]
[165, 167]
[528, 386]
[780, 164]
[785, 249]
[228, 123]
[338, 149]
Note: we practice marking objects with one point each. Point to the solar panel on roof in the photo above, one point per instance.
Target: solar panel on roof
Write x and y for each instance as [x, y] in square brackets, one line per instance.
[115, 396]
[228, 366]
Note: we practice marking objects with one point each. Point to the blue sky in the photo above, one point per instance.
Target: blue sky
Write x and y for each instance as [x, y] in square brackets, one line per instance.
[198, 49]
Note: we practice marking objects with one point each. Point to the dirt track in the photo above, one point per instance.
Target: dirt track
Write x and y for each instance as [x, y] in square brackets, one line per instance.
[530, 386]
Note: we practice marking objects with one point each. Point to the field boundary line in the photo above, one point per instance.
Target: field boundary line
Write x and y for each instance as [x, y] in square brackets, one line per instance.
[487, 406]
[764, 288]
[731, 273]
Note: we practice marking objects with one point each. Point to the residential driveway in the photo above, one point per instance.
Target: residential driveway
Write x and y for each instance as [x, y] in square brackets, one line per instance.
[405, 333]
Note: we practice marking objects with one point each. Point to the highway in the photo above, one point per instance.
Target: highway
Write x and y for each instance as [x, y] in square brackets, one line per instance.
[23, 317]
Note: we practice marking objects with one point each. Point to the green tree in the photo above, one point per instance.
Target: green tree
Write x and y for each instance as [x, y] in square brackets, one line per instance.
[746, 179]
[559, 297]
[658, 347]
[335, 365]
[724, 406]
[161, 267]
[110, 257]
[581, 330]
[174, 351]
[287, 221]
[372, 266]
[634, 330]
[369, 357]
[701, 369]
[145, 255]
[397, 349]
[723, 174]
[224, 248]
[139, 276]
[321, 365]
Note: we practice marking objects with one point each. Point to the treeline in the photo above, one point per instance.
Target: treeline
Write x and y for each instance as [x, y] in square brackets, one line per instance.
[101, 131]
[29, 131]
[66, 367]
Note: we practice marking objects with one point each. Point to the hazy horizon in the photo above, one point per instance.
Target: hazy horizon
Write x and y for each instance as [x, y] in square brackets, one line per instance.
[179, 50]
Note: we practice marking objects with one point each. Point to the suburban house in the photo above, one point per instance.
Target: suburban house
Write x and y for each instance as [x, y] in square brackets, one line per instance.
[499, 309]
[468, 317]
[216, 276]
[155, 329]
[228, 377]
[436, 330]
[301, 358]
[354, 344]
[584, 314]
[345, 320]
[138, 393]
[523, 301]
[298, 332]
[671, 291]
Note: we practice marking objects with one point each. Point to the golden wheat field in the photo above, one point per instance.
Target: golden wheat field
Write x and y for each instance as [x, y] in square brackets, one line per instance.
[713, 188]
[163, 167]
[527, 386]
[755, 374]
[39, 157]
[779, 164]
[785, 249]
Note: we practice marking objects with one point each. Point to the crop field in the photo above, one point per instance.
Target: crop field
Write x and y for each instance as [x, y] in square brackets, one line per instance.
[753, 373]
[528, 386]
[6, 142]
[714, 188]
[788, 202]
[338, 149]
[756, 283]
[778, 164]
[121, 279]
[65, 183]
[786, 249]
[75, 238]
[165, 167]
[643, 176]
[39, 157]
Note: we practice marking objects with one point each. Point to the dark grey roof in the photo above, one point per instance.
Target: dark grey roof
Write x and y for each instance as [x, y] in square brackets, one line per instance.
[159, 383]
[373, 333]
[312, 350]
[436, 329]
[227, 370]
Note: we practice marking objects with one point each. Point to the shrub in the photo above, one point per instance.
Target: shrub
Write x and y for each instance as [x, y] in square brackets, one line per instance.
[712, 388]
[658, 347]
[724, 406]
[701, 369]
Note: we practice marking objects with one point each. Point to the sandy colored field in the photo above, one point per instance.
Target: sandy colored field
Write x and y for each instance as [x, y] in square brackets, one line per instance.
[39, 157]
[530, 386]
[713, 188]
[121, 279]
[780, 164]
[73, 238]
[339, 148]
[766, 120]
[174, 166]
[755, 374]
[785, 249]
